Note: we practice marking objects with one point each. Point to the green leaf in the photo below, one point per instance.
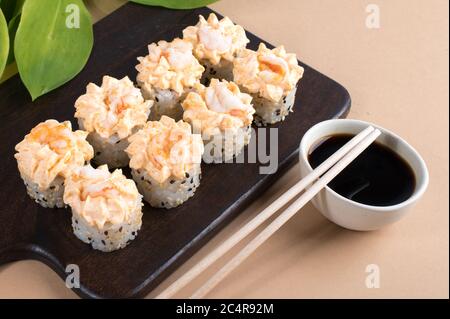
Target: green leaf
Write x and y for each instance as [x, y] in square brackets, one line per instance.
[176, 4]
[14, 7]
[13, 24]
[4, 42]
[50, 47]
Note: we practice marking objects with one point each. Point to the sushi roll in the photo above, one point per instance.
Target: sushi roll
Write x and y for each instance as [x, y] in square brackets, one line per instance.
[165, 160]
[47, 156]
[271, 77]
[106, 207]
[215, 45]
[223, 115]
[166, 75]
[110, 113]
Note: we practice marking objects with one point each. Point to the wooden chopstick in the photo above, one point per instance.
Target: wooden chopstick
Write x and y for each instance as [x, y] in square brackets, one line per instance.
[352, 149]
[285, 216]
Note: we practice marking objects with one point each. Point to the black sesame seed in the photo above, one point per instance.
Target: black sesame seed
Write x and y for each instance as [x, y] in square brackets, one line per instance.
[52, 187]
[89, 238]
[156, 99]
[192, 180]
[162, 203]
[277, 112]
[76, 221]
[189, 189]
[184, 181]
[118, 142]
[106, 233]
[187, 175]
[44, 199]
[103, 242]
[120, 229]
[142, 178]
[98, 153]
[172, 181]
[133, 233]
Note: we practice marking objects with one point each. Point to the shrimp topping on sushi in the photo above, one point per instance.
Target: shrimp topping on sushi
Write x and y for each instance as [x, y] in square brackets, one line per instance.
[271, 76]
[165, 148]
[169, 65]
[106, 207]
[110, 113]
[271, 73]
[47, 155]
[166, 74]
[165, 158]
[218, 111]
[215, 39]
[219, 106]
[216, 43]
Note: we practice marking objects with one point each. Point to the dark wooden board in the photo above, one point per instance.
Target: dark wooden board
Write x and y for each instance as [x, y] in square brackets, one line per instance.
[167, 238]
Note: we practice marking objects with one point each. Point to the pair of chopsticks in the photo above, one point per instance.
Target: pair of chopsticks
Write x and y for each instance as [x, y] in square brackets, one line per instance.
[325, 172]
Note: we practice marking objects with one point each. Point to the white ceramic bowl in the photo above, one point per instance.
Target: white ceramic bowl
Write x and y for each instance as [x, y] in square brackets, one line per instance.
[350, 214]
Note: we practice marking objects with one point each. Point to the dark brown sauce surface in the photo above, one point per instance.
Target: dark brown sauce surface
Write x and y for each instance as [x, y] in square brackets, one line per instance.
[377, 177]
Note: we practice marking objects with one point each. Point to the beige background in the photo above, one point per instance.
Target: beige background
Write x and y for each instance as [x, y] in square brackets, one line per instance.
[398, 78]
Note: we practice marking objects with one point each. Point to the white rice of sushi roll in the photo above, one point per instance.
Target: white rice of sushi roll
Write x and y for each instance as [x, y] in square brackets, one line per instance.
[271, 77]
[50, 197]
[165, 159]
[106, 207]
[270, 112]
[170, 193]
[110, 113]
[215, 44]
[223, 115]
[47, 155]
[166, 75]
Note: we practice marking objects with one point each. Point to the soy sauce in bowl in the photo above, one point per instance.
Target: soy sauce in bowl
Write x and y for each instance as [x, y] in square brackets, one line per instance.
[377, 177]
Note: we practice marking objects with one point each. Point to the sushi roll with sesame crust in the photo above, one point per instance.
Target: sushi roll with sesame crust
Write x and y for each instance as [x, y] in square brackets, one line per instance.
[106, 207]
[166, 75]
[47, 156]
[215, 45]
[223, 115]
[165, 160]
[271, 77]
[110, 113]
